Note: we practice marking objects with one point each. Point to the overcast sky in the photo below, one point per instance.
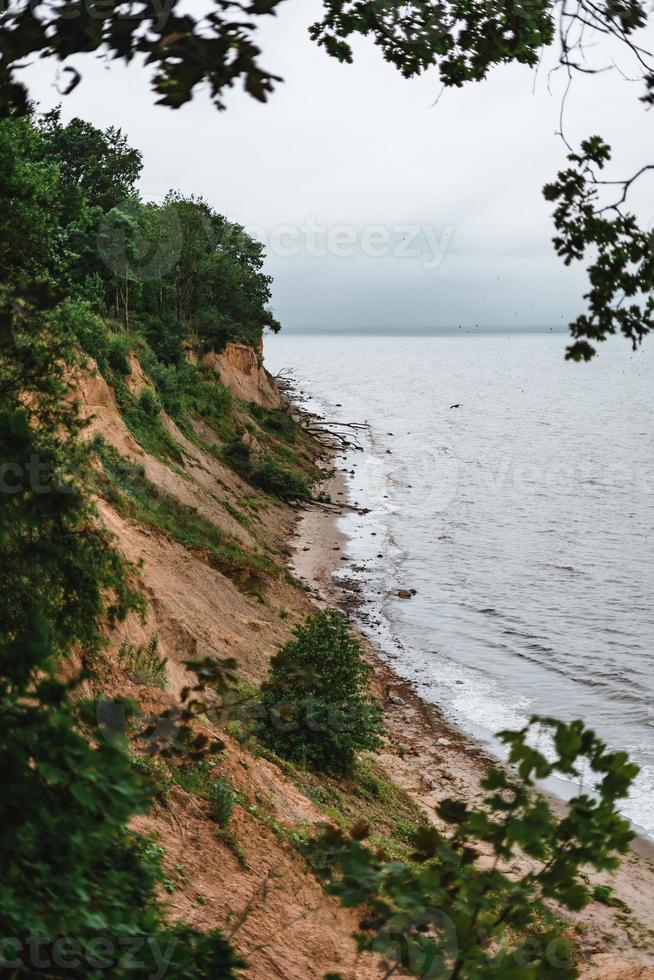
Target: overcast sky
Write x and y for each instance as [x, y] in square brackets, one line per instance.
[380, 208]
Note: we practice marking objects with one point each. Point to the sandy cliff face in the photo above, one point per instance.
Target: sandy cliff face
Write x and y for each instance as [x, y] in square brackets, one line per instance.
[241, 369]
[286, 925]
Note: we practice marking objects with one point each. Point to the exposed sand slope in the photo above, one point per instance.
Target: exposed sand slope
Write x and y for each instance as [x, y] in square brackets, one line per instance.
[278, 914]
[241, 369]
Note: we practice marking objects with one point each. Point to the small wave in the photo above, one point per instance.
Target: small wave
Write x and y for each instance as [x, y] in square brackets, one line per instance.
[523, 636]
[540, 648]
[570, 569]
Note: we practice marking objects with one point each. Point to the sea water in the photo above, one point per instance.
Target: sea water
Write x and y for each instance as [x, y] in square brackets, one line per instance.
[522, 518]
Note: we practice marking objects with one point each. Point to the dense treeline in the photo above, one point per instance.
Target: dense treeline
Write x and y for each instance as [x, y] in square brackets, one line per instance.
[178, 271]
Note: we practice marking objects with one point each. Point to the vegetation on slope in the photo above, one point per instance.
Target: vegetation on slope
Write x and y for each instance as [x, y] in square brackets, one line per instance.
[458, 907]
[125, 486]
[315, 707]
[77, 890]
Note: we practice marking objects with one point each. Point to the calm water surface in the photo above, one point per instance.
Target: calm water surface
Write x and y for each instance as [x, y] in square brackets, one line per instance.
[523, 518]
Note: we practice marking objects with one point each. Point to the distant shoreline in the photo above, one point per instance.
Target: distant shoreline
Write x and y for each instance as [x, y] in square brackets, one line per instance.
[462, 331]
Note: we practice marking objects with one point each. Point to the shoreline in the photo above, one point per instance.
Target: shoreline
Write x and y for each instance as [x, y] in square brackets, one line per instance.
[319, 546]
[431, 759]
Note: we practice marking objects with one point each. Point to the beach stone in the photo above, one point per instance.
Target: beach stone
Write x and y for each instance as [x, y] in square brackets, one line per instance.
[404, 594]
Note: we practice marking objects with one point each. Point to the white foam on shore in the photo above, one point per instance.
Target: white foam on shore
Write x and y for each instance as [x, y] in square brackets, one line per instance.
[474, 688]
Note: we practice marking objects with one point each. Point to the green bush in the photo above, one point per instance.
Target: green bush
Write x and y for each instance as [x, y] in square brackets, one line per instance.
[267, 473]
[281, 424]
[279, 480]
[118, 349]
[146, 426]
[222, 799]
[186, 389]
[237, 455]
[149, 402]
[89, 330]
[315, 708]
[145, 664]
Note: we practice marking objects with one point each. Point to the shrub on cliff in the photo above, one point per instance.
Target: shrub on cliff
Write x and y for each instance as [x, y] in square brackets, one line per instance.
[315, 707]
[222, 799]
[281, 481]
[266, 473]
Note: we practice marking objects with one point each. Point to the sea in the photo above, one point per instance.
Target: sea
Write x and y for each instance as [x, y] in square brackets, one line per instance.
[513, 491]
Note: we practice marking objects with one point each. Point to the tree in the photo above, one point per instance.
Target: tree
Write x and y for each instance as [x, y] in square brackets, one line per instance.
[461, 40]
[179, 271]
[118, 243]
[315, 707]
[101, 164]
[212, 280]
[32, 237]
[455, 909]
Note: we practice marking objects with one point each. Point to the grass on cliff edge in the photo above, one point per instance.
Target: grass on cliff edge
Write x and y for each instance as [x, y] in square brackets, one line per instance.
[125, 486]
[366, 795]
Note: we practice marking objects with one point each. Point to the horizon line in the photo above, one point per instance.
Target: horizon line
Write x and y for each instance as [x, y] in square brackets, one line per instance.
[424, 331]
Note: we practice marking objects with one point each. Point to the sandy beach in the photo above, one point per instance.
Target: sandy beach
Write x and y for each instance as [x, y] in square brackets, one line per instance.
[432, 760]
